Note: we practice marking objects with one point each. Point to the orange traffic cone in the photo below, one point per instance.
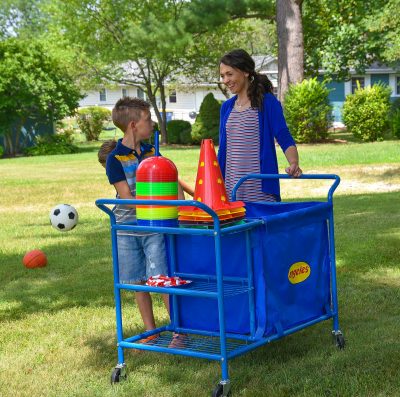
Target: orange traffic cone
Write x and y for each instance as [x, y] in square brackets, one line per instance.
[210, 190]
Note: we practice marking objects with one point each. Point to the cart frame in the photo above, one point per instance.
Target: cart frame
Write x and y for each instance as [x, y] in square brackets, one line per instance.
[220, 346]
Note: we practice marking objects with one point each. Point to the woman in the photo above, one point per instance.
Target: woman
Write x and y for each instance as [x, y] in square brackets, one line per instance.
[249, 123]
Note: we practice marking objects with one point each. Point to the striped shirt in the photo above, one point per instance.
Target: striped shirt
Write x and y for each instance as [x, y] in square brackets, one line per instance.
[242, 155]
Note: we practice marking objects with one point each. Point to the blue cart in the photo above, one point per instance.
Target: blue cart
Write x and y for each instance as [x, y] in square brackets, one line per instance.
[253, 283]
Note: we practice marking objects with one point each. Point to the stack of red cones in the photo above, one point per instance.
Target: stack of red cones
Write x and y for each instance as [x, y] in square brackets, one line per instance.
[210, 190]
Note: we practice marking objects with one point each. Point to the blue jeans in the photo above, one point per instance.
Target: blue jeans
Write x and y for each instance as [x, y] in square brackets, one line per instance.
[140, 257]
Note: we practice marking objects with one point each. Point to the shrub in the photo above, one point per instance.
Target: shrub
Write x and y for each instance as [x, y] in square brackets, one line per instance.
[179, 131]
[308, 111]
[207, 121]
[91, 119]
[52, 144]
[394, 118]
[366, 112]
[1, 151]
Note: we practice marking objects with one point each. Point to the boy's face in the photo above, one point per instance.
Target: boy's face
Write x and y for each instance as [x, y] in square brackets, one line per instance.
[144, 127]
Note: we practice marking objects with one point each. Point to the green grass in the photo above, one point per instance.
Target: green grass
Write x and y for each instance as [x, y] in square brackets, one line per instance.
[57, 332]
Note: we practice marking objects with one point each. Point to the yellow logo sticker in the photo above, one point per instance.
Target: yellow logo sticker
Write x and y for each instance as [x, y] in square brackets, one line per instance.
[299, 272]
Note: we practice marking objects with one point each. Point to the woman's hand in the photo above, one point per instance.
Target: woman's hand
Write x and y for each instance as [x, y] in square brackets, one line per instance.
[293, 160]
[294, 170]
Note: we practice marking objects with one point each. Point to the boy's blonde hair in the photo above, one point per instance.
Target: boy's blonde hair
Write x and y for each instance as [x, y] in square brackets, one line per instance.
[128, 109]
[105, 149]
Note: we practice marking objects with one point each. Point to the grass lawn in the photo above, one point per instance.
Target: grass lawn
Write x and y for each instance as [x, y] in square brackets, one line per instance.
[57, 324]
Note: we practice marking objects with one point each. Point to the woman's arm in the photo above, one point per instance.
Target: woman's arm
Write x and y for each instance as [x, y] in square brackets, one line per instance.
[292, 156]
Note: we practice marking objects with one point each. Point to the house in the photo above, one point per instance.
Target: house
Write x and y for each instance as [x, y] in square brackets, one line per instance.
[182, 104]
[376, 73]
[184, 100]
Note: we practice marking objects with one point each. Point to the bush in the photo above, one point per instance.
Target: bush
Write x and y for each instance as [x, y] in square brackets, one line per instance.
[308, 111]
[366, 112]
[207, 121]
[179, 131]
[394, 118]
[1, 151]
[53, 144]
[91, 119]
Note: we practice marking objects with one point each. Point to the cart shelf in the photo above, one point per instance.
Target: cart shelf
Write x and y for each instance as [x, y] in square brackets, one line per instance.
[198, 288]
[196, 345]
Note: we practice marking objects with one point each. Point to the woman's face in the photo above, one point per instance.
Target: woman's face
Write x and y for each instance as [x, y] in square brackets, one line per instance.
[236, 80]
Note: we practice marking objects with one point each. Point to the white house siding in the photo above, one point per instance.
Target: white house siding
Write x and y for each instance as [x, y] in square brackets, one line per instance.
[92, 98]
[393, 84]
[186, 101]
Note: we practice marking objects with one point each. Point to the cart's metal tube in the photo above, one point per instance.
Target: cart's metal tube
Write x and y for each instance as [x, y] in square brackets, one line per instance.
[332, 256]
[172, 261]
[221, 311]
[264, 341]
[284, 176]
[249, 261]
[117, 293]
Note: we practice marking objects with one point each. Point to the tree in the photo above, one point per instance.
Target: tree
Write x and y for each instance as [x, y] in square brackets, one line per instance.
[290, 44]
[33, 84]
[149, 44]
[386, 23]
[143, 44]
[206, 125]
[339, 37]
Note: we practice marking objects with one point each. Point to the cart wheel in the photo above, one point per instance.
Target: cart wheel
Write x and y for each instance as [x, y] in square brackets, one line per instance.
[117, 375]
[339, 340]
[219, 390]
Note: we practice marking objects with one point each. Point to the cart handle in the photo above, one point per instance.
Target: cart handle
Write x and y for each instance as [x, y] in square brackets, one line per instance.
[102, 204]
[284, 176]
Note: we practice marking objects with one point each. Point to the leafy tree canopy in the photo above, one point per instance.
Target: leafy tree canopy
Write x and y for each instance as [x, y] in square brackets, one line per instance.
[339, 36]
[33, 84]
[386, 22]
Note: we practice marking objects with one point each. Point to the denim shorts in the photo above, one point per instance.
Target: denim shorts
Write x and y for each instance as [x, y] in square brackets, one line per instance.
[140, 257]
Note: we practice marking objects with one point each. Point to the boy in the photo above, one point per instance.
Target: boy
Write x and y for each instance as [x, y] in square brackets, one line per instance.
[140, 255]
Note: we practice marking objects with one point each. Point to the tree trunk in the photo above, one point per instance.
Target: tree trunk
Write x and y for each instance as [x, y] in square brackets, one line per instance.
[163, 126]
[224, 90]
[290, 44]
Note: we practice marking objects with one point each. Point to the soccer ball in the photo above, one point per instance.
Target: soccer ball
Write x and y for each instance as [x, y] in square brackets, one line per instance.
[63, 217]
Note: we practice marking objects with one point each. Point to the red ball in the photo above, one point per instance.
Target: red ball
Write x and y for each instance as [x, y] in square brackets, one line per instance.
[35, 258]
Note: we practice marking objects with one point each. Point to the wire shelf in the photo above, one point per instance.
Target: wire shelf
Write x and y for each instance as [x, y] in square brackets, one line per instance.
[194, 343]
[208, 288]
[230, 289]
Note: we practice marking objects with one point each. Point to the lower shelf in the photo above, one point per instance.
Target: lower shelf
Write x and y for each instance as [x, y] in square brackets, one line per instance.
[188, 345]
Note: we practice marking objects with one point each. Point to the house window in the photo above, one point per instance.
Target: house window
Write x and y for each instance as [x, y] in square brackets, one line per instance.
[172, 96]
[124, 92]
[103, 95]
[397, 85]
[355, 82]
[140, 93]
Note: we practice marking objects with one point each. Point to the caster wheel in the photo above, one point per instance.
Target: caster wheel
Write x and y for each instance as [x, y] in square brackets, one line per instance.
[340, 341]
[218, 392]
[117, 375]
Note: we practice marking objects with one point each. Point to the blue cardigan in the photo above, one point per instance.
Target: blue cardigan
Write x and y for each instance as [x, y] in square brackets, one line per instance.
[272, 125]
